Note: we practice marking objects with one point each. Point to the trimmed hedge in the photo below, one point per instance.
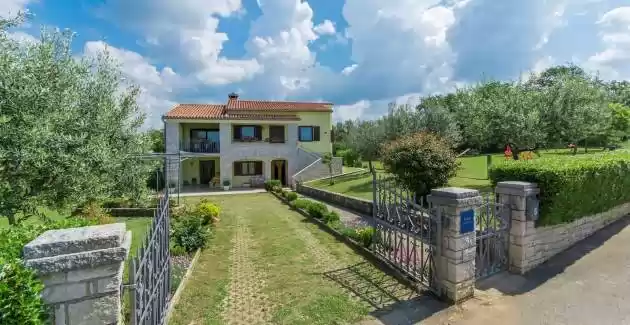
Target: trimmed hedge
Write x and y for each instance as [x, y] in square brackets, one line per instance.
[572, 187]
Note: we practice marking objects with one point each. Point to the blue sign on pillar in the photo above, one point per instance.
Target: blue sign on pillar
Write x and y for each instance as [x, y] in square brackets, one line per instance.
[466, 221]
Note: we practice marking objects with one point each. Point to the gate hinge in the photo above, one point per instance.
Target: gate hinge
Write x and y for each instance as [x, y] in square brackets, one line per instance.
[129, 285]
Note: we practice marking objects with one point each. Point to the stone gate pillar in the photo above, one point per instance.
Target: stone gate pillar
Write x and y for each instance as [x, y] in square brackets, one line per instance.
[82, 270]
[455, 260]
[520, 203]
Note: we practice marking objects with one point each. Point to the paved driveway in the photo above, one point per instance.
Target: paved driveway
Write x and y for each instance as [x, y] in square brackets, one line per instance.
[587, 284]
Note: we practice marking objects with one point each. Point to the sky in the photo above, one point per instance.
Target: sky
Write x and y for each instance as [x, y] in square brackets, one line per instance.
[358, 54]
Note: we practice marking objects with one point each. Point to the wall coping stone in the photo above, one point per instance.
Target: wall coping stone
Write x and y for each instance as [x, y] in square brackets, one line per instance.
[81, 260]
[74, 240]
[455, 196]
[517, 188]
[454, 192]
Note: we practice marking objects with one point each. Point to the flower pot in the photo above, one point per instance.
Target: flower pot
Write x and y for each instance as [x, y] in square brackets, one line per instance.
[226, 188]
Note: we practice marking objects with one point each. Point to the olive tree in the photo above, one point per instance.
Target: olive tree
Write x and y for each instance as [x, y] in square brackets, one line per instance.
[69, 130]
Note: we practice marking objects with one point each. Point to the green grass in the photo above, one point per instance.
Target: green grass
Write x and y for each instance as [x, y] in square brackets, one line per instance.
[472, 173]
[273, 266]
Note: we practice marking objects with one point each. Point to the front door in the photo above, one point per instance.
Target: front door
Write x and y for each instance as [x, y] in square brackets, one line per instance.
[206, 171]
[278, 171]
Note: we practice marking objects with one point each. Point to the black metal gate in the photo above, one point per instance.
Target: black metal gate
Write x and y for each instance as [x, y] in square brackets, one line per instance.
[405, 232]
[493, 238]
[150, 271]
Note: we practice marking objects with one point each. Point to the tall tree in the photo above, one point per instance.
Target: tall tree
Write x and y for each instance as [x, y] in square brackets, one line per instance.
[367, 138]
[69, 130]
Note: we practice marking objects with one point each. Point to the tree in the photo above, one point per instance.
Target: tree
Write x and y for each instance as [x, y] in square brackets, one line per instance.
[420, 161]
[619, 123]
[366, 139]
[69, 130]
[327, 159]
[156, 137]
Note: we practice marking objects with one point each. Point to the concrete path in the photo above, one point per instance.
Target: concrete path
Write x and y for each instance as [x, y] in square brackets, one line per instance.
[215, 192]
[347, 217]
[587, 284]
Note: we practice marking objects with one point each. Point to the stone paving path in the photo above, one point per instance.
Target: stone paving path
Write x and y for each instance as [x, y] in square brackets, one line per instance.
[587, 284]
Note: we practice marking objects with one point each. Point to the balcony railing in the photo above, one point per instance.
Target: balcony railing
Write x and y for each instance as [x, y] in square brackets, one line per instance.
[252, 139]
[200, 147]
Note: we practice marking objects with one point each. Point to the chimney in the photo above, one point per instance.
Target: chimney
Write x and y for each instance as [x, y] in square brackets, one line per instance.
[233, 95]
[232, 98]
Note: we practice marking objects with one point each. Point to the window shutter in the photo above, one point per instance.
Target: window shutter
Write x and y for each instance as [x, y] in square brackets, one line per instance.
[258, 170]
[258, 132]
[237, 168]
[332, 136]
[316, 133]
[237, 133]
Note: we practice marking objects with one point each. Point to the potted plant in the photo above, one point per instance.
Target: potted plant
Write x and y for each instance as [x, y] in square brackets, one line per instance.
[226, 185]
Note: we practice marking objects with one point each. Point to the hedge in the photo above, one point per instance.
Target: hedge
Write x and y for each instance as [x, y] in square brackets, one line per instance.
[572, 187]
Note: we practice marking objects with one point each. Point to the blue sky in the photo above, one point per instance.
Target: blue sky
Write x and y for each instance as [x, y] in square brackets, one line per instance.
[358, 54]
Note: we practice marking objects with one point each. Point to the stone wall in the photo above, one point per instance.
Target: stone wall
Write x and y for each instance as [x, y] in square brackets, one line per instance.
[357, 205]
[82, 270]
[531, 246]
[319, 170]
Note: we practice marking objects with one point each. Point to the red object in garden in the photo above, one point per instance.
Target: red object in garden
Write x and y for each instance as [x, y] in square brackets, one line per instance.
[508, 152]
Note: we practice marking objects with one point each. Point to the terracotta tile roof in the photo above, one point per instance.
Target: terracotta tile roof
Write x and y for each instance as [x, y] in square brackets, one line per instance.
[263, 105]
[236, 109]
[196, 111]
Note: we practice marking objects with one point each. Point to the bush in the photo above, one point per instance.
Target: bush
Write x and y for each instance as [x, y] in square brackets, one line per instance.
[363, 236]
[208, 212]
[301, 204]
[420, 161]
[572, 187]
[20, 289]
[331, 217]
[350, 157]
[277, 189]
[190, 233]
[92, 211]
[317, 210]
[292, 196]
[270, 184]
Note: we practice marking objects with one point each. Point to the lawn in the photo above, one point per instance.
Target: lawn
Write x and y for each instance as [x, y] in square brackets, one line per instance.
[472, 173]
[268, 264]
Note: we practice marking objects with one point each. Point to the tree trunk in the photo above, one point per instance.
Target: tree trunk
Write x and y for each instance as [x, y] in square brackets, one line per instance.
[11, 218]
[370, 165]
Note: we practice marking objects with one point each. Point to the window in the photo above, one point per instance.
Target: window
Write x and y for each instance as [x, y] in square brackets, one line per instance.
[276, 133]
[247, 133]
[308, 133]
[247, 168]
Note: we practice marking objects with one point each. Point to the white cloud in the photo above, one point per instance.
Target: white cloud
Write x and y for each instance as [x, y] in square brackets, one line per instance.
[189, 30]
[325, 28]
[348, 70]
[22, 37]
[350, 112]
[614, 61]
[156, 85]
[9, 8]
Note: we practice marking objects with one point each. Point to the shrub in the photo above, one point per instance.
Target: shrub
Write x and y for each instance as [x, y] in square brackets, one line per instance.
[363, 236]
[350, 157]
[317, 210]
[420, 161]
[292, 196]
[331, 216]
[176, 250]
[92, 211]
[301, 204]
[190, 233]
[20, 289]
[270, 184]
[276, 189]
[209, 212]
[572, 187]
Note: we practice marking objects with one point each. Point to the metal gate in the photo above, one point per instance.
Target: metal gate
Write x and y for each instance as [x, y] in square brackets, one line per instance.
[150, 271]
[405, 232]
[493, 238]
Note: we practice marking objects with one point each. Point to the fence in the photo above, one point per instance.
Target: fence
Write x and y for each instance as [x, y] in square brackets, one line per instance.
[150, 271]
[405, 233]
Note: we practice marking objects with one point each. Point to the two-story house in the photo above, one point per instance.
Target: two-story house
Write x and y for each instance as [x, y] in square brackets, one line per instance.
[247, 142]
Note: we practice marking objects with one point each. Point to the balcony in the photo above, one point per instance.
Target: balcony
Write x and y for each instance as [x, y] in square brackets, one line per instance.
[259, 140]
[200, 147]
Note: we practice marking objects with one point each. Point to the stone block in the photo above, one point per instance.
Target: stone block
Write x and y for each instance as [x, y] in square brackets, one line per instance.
[518, 228]
[458, 292]
[458, 273]
[54, 278]
[96, 272]
[75, 240]
[81, 260]
[59, 314]
[64, 292]
[517, 188]
[455, 196]
[462, 242]
[461, 256]
[98, 311]
[519, 215]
